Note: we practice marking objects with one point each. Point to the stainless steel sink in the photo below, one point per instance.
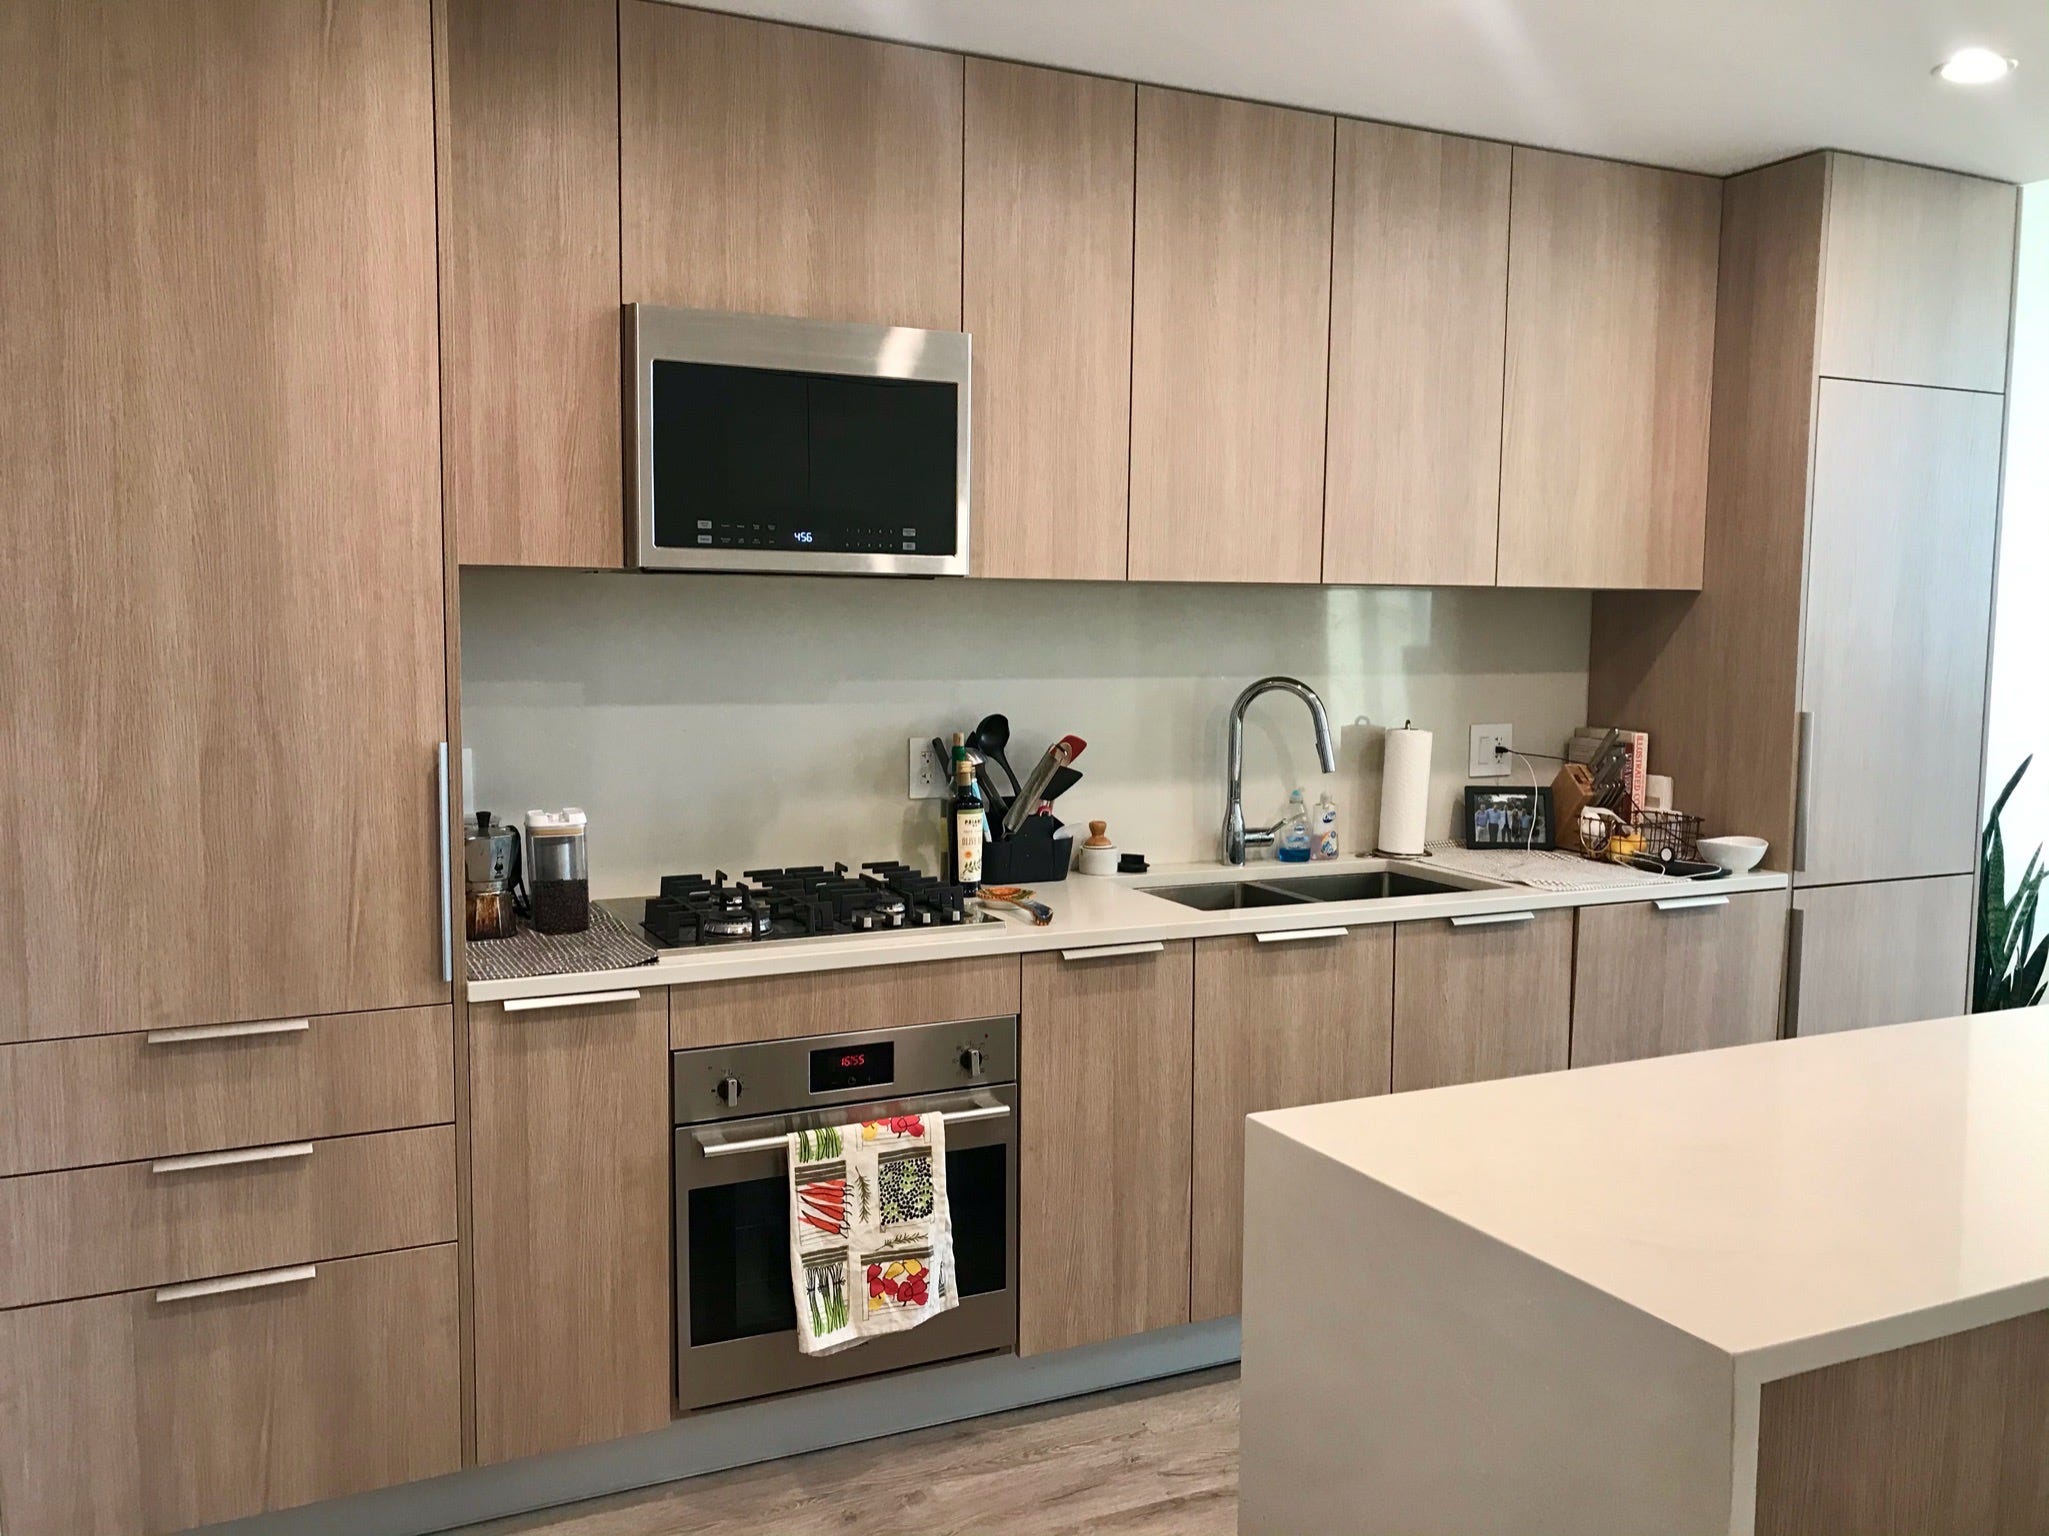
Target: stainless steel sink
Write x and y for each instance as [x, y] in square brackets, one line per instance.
[1235, 895]
[1227, 896]
[1371, 886]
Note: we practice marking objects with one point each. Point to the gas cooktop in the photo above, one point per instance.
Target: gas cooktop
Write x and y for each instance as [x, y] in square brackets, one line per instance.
[802, 903]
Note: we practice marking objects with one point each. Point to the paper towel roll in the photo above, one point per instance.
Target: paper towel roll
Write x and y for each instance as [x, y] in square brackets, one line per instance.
[1404, 792]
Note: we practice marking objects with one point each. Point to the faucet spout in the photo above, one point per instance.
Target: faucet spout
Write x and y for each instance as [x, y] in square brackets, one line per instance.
[1237, 837]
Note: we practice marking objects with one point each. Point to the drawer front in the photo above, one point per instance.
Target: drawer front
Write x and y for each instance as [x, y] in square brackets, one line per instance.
[836, 1002]
[1682, 973]
[1482, 997]
[128, 1415]
[121, 1098]
[125, 1225]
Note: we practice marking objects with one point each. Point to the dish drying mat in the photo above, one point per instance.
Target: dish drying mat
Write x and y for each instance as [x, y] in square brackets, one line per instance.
[1542, 869]
[607, 945]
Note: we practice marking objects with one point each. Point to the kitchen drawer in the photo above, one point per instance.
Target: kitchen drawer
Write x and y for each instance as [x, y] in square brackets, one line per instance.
[836, 1002]
[144, 1412]
[1685, 972]
[114, 1228]
[120, 1098]
[1481, 997]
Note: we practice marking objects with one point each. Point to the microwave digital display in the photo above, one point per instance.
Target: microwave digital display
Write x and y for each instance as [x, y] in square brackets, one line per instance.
[838, 1067]
[814, 463]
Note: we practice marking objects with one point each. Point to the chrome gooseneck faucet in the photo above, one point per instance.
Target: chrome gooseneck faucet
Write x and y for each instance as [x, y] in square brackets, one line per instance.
[1237, 837]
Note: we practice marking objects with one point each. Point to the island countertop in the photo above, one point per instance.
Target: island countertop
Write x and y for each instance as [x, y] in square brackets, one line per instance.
[1561, 1295]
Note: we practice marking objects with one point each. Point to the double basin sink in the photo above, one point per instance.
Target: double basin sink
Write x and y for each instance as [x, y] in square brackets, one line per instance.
[1235, 895]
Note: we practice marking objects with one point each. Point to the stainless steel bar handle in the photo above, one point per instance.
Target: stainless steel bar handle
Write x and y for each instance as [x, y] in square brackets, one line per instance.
[1112, 951]
[1796, 933]
[447, 907]
[255, 1280]
[230, 1158]
[1492, 919]
[1689, 903]
[570, 1000]
[1801, 777]
[1289, 935]
[777, 1143]
[191, 1032]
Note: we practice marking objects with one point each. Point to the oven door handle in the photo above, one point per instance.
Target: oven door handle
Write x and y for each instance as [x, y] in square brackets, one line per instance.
[778, 1143]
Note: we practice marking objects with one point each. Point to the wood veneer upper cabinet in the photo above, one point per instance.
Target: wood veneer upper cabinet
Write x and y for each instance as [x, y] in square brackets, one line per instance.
[1899, 613]
[1685, 973]
[1230, 337]
[1419, 305]
[569, 1190]
[1047, 222]
[221, 642]
[1611, 335]
[1918, 275]
[528, 123]
[1482, 1000]
[1105, 1042]
[777, 170]
[1280, 1020]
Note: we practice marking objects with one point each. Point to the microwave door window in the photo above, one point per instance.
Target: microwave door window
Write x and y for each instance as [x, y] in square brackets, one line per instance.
[731, 456]
[883, 454]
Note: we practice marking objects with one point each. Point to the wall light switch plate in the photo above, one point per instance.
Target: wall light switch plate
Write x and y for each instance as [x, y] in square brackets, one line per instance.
[1486, 763]
[928, 774]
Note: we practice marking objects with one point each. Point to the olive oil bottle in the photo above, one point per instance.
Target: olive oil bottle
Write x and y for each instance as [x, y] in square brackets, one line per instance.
[966, 816]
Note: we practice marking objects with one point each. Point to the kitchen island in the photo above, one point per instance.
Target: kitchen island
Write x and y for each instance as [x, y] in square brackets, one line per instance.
[1798, 1287]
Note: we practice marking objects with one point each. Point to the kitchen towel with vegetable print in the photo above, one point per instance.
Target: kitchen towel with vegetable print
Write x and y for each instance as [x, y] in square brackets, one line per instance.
[871, 1240]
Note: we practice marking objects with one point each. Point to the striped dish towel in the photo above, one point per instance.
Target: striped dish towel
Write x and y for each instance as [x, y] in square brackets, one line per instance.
[871, 1239]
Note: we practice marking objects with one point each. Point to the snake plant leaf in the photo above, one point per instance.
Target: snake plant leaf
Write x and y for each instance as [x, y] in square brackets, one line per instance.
[2010, 966]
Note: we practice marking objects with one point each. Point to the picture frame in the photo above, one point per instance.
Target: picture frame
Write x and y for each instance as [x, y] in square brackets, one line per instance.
[1501, 816]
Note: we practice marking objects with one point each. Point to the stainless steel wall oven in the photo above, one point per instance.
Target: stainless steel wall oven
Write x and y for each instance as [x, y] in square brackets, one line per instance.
[734, 1105]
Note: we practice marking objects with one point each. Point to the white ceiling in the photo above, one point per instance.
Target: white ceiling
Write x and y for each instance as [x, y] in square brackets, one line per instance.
[1711, 85]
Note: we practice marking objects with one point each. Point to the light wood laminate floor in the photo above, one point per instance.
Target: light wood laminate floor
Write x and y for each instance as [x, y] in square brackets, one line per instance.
[1144, 1461]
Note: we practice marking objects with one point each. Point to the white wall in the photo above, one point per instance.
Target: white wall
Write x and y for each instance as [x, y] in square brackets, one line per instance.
[740, 721]
[2019, 713]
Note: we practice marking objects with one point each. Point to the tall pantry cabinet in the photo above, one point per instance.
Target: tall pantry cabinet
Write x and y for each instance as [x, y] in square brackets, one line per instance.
[1826, 688]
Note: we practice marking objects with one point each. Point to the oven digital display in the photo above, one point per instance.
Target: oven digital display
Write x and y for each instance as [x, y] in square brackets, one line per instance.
[853, 1066]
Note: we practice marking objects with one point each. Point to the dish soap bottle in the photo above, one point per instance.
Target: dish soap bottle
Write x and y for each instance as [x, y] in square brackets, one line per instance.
[1292, 846]
[1323, 842]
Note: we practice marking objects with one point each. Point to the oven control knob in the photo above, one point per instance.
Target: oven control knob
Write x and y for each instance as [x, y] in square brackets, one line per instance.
[971, 1061]
[728, 1091]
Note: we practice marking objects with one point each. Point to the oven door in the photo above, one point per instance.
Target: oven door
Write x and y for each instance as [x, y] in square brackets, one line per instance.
[736, 1314]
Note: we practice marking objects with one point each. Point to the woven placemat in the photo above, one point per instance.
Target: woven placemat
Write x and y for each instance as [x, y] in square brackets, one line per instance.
[607, 945]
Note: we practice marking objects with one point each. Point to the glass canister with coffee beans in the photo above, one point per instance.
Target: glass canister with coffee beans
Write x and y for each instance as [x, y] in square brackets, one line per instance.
[558, 871]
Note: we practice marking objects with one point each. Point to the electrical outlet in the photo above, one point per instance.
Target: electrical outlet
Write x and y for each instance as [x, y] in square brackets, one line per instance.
[928, 773]
[1486, 762]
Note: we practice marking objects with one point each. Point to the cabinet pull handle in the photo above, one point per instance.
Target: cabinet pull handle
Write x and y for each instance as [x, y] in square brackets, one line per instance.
[1689, 903]
[1112, 951]
[228, 1159]
[441, 816]
[191, 1032]
[255, 1280]
[1789, 1015]
[1289, 935]
[1803, 751]
[1492, 919]
[569, 1000]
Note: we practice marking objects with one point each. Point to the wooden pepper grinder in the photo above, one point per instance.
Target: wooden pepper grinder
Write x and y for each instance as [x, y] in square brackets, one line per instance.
[1098, 854]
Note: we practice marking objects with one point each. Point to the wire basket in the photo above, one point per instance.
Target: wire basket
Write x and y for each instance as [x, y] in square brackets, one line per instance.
[1661, 835]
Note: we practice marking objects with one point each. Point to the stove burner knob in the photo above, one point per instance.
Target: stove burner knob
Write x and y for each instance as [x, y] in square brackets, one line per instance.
[971, 1061]
[728, 1091]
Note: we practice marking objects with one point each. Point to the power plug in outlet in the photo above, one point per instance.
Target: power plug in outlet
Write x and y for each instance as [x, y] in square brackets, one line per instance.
[928, 774]
[1486, 761]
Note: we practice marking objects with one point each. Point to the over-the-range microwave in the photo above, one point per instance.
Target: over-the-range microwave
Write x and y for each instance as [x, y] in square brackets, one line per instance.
[762, 443]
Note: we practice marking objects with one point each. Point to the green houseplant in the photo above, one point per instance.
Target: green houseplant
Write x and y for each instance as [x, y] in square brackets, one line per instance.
[2010, 964]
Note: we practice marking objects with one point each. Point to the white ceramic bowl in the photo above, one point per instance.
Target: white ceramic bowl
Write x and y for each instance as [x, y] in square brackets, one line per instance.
[1738, 855]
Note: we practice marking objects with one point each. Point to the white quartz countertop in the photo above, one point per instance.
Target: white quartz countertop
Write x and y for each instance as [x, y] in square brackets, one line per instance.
[1793, 1204]
[1091, 912]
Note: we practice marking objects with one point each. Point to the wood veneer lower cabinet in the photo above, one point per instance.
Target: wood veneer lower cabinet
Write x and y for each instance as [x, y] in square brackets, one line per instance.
[1280, 1019]
[146, 1411]
[840, 1002]
[1946, 1438]
[569, 1191]
[1686, 973]
[1482, 998]
[1105, 1040]
[1884, 953]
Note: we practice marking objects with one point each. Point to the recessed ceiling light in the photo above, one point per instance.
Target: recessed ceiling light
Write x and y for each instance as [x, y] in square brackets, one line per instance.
[1976, 66]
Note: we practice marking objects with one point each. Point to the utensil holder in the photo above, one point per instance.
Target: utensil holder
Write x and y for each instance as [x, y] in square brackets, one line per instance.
[1030, 856]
